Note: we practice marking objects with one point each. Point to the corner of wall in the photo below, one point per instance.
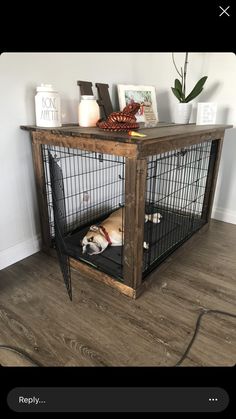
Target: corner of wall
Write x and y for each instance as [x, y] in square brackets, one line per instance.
[20, 251]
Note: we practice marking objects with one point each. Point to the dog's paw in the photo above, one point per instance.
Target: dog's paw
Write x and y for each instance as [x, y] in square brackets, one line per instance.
[153, 218]
[146, 245]
[156, 218]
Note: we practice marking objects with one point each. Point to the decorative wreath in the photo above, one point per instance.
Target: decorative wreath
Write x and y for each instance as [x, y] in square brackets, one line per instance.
[121, 121]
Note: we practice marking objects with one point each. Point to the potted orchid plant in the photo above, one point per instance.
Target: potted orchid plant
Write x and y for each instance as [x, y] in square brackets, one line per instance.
[184, 108]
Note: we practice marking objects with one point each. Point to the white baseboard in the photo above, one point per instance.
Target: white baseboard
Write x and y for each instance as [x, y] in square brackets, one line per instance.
[225, 215]
[19, 251]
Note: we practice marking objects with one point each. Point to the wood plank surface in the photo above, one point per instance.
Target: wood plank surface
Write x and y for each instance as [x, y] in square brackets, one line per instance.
[156, 133]
[90, 272]
[104, 328]
[135, 183]
[41, 192]
[86, 143]
[157, 140]
[211, 184]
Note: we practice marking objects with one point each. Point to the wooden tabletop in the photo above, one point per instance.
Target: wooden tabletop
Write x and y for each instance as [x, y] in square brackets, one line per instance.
[159, 132]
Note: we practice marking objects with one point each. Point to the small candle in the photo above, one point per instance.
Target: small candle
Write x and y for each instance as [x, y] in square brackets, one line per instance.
[88, 111]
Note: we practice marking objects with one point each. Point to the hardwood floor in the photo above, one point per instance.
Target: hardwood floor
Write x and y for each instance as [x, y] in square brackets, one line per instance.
[102, 327]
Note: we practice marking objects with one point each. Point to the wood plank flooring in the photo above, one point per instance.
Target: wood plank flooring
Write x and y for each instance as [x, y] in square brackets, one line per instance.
[100, 327]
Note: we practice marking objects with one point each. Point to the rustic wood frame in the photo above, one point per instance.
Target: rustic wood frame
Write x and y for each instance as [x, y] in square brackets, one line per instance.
[135, 152]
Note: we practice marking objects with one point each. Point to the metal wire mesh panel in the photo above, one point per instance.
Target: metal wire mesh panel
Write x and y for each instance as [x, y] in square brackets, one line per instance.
[176, 188]
[93, 187]
[58, 198]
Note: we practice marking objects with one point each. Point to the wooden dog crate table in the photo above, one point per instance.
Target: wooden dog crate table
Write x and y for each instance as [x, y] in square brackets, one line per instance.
[172, 170]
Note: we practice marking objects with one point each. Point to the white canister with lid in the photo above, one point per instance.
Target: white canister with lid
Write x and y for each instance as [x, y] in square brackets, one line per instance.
[47, 106]
[88, 111]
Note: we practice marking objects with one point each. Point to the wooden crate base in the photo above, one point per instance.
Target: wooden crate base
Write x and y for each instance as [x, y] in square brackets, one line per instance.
[102, 277]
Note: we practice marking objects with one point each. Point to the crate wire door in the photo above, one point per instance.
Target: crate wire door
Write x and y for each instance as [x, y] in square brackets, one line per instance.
[71, 176]
[58, 198]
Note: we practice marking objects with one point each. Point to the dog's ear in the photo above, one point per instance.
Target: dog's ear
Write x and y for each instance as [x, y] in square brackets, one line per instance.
[94, 228]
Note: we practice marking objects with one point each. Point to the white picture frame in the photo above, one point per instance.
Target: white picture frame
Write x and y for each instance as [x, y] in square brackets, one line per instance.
[206, 113]
[140, 94]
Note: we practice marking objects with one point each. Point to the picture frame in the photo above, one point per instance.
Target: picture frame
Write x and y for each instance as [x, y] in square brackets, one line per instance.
[206, 113]
[145, 95]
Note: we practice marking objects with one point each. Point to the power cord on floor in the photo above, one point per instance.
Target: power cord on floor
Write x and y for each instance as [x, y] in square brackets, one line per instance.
[22, 353]
[205, 311]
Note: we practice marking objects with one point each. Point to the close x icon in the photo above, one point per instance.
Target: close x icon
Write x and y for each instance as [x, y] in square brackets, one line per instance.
[224, 10]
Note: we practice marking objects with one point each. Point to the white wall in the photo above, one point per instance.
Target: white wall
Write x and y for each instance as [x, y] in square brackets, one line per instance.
[21, 73]
[221, 69]
[158, 70]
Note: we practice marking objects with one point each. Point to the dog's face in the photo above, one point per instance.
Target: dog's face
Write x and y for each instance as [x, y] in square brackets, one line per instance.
[94, 242]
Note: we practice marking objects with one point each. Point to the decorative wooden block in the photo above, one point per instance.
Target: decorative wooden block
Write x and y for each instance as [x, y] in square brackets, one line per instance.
[104, 100]
[85, 87]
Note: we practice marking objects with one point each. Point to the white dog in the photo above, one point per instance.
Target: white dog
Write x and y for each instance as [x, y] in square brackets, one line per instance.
[110, 232]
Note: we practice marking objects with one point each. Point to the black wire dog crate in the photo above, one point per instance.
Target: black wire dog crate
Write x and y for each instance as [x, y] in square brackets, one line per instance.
[84, 175]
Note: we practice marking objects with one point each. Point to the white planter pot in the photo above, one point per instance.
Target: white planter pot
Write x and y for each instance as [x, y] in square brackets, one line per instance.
[182, 113]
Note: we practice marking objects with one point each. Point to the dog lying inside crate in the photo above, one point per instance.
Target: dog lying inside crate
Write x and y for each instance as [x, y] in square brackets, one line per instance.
[110, 232]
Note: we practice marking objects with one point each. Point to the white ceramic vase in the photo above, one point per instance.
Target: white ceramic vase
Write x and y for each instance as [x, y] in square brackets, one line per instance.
[182, 113]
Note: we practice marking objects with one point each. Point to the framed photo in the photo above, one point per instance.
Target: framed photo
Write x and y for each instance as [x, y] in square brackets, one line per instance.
[206, 113]
[145, 95]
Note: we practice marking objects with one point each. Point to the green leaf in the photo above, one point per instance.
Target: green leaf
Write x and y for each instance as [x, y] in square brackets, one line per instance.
[176, 93]
[178, 86]
[189, 98]
[196, 90]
